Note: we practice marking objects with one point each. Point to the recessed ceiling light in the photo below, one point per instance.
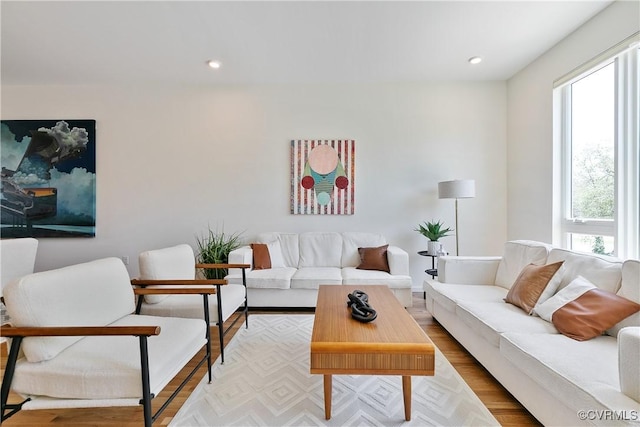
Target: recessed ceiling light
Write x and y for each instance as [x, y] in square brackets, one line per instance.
[475, 60]
[214, 64]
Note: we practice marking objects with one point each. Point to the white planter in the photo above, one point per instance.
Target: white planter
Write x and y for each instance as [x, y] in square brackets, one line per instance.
[433, 247]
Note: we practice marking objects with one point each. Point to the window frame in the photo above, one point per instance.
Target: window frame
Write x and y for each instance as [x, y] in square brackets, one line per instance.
[625, 225]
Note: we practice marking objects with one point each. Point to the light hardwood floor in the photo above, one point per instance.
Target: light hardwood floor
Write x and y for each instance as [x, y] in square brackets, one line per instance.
[502, 405]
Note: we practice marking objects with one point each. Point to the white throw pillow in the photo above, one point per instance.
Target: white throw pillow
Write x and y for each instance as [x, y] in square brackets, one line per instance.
[573, 290]
[551, 288]
[275, 253]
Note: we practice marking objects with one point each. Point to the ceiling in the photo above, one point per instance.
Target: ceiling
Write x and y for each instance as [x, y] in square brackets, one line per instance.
[169, 42]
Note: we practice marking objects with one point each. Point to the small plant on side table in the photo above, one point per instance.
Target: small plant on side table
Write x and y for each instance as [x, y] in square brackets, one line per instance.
[433, 231]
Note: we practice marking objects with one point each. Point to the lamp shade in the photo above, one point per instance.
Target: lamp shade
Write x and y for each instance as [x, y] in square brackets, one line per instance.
[457, 189]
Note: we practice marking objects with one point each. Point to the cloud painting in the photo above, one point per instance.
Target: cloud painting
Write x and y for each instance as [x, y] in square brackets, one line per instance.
[48, 178]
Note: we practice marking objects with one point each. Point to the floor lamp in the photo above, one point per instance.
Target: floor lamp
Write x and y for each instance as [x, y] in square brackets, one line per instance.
[457, 189]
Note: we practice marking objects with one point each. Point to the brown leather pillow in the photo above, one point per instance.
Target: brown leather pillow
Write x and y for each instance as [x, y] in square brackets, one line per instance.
[261, 258]
[374, 258]
[530, 284]
[592, 313]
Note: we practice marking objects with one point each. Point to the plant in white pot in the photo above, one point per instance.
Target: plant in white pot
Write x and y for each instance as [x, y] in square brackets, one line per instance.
[433, 231]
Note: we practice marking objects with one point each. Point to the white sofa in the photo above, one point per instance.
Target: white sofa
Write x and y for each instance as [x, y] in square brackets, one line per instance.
[561, 381]
[313, 258]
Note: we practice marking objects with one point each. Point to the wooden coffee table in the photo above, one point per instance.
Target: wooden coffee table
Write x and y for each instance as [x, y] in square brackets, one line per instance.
[393, 344]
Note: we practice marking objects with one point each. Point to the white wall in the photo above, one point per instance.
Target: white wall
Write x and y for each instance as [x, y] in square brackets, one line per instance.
[170, 161]
[530, 118]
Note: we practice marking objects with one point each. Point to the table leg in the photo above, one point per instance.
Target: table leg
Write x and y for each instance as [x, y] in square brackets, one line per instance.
[327, 396]
[406, 393]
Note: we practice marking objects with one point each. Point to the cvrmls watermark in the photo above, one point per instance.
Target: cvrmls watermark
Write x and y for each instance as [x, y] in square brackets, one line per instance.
[609, 415]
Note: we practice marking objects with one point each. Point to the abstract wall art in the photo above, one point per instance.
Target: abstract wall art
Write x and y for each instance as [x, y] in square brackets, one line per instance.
[48, 178]
[322, 177]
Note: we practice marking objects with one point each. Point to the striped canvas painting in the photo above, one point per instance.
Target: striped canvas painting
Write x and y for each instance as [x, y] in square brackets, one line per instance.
[322, 177]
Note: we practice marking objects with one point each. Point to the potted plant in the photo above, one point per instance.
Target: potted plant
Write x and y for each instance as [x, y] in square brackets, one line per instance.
[214, 248]
[433, 231]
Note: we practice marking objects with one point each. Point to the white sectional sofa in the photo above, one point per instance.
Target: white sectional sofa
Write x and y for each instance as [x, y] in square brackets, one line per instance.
[560, 380]
[303, 261]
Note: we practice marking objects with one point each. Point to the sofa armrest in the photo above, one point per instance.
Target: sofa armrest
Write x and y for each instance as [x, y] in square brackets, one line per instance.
[468, 270]
[242, 255]
[398, 260]
[628, 366]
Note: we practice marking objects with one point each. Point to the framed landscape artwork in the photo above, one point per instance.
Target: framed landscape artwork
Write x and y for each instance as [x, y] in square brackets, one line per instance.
[48, 178]
[323, 177]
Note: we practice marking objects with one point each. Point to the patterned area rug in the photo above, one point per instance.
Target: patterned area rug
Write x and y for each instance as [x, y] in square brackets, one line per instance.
[265, 381]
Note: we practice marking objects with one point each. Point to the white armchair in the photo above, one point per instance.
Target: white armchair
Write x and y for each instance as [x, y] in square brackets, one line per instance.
[74, 342]
[17, 259]
[176, 266]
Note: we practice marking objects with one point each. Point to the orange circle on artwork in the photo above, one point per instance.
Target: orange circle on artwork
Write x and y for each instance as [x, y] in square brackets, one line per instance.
[323, 159]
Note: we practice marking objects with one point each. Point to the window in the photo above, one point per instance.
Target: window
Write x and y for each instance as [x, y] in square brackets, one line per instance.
[596, 129]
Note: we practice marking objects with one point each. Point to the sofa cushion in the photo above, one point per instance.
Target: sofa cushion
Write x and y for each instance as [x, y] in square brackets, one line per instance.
[351, 241]
[518, 254]
[83, 377]
[176, 262]
[491, 320]
[289, 245]
[278, 278]
[580, 374]
[320, 249]
[604, 272]
[629, 289]
[532, 283]
[582, 311]
[448, 295]
[373, 259]
[312, 277]
[190, 306]
[353, 276]
[95, 293]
